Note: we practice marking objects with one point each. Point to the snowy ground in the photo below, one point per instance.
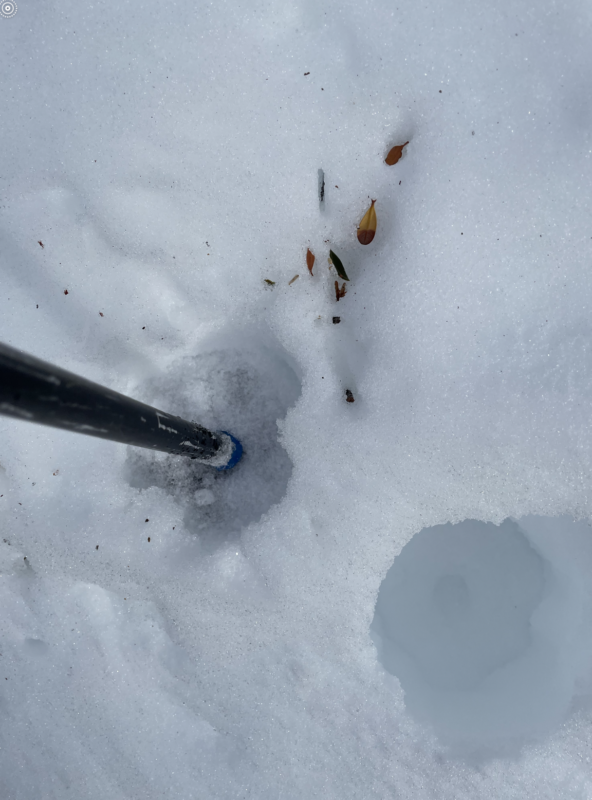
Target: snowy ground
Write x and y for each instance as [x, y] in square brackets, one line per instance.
[166, 157]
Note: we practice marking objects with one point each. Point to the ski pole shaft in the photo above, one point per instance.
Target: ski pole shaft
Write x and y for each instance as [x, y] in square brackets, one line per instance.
[35, 391]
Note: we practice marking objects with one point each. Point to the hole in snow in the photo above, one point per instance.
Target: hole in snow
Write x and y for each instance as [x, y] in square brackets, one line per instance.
[244, 382]
[486, 627]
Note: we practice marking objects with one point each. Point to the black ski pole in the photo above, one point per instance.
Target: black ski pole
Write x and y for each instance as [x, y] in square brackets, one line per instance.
[35, 391]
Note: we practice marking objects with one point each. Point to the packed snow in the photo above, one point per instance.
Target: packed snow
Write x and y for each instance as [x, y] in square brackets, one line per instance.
[389, 597]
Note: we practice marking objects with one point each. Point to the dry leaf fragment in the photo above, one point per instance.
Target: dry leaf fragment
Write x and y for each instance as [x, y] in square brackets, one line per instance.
[41, 243]
[295, 278]
[395, 154]
[367, 227]
[349, 398]
[339, 293]
[268, 282]
[310, 259]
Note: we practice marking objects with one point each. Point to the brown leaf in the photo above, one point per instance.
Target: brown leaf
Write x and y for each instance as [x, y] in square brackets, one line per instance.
[310, 259]
[41, 243]
[339, 293]
[395, 154]
[65, 291]
[349, 398]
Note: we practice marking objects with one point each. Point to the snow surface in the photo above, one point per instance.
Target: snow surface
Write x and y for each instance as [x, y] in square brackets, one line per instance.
[169, 632]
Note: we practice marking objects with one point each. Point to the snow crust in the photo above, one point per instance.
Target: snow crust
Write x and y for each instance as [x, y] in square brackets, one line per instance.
[169, 632]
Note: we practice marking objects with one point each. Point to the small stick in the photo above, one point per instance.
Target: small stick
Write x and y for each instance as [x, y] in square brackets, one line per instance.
[321, 186]
[339, 293]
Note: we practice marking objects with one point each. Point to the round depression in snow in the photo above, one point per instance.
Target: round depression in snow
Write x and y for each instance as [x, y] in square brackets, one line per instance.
[487, 627]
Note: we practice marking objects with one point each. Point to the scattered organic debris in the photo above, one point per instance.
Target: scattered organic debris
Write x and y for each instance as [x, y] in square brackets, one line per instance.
[269, 283]
[349, 398]
[336, 261]
[41, 243]
[66, 291]
[367, 227]
[101, 314]
[306, 73]
[336, 320]
[295, 278]
[310, 259]
[339, 293]
[321, 186]
[394, 154]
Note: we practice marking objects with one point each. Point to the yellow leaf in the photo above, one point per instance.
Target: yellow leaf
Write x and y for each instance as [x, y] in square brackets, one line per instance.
[367, 227]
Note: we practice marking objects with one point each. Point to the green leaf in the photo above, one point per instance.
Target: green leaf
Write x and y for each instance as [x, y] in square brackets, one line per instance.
[338, 265]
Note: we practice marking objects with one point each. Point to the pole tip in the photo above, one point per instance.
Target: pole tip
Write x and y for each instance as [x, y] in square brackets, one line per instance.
[237, 452]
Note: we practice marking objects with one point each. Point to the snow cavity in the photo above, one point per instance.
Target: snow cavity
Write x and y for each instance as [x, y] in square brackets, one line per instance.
[484, 626]
[242, 381]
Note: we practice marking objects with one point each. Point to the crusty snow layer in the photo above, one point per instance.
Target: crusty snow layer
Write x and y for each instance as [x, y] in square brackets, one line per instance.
[168, 631]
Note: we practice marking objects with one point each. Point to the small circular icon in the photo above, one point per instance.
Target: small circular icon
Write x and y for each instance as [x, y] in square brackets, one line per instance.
[7, 8]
